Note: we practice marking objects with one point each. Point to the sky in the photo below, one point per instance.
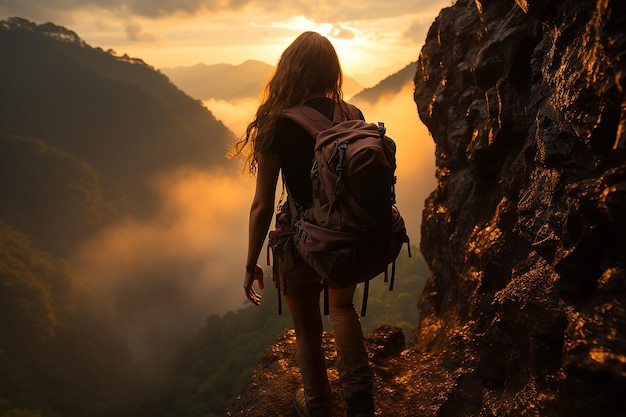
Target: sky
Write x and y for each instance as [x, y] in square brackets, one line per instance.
[373, 38]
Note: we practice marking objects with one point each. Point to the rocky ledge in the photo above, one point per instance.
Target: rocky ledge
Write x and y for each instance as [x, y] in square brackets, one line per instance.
[407, 381]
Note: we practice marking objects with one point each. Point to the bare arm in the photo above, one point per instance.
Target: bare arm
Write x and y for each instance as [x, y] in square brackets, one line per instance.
[261, 213]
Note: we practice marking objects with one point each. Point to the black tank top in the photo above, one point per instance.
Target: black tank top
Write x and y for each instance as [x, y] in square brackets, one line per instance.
[295, 150]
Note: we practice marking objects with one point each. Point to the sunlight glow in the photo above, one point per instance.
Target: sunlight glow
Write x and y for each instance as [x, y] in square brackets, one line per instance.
[302, 24]
[372, 40]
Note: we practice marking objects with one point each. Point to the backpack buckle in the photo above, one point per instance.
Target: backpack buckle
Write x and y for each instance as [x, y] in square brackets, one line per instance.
[340, 165]
[299, 231]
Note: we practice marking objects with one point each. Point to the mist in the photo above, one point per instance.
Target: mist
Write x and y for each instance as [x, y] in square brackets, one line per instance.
[235, 114]
[158, 279]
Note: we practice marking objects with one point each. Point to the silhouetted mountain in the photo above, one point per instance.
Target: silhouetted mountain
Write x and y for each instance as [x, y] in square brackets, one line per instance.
[116, 119]
[231, 82]
[390, 86]
[221, 81]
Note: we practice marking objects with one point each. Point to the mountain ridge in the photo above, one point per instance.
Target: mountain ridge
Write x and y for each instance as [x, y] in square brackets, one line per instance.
[231, 82]
[117, 114]
[221, 81]
[388, 86]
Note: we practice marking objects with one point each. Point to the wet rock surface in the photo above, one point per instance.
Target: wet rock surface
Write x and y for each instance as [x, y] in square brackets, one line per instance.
[526, 104]
[524, 314]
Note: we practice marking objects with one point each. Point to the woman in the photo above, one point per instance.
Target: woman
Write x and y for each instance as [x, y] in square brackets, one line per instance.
[308, 74]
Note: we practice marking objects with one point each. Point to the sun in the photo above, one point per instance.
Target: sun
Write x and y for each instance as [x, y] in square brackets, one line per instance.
[303, 24]
[348, 48]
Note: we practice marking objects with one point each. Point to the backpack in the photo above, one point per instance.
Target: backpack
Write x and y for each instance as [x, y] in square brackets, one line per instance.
[353, 231]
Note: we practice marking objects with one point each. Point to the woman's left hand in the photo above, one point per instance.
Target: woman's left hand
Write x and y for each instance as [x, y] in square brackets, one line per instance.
[251, 276]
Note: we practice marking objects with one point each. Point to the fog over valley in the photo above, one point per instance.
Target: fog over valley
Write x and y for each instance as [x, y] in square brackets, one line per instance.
[160, 277]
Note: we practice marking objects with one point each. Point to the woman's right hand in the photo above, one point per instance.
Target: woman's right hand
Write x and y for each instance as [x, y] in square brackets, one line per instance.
[252, 275]
[261, 213]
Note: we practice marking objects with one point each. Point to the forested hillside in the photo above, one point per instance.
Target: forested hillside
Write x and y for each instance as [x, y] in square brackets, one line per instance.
[388, 87]
[114, 120]
[83, 132]
[233, 82]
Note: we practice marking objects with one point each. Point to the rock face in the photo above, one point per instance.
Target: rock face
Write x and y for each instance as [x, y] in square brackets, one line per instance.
[525, 231]
[524, 314]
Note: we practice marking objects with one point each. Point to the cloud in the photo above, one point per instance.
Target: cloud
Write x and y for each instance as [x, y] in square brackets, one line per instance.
[369, 35]
[339, 31]
[236, 114]
[376, 9]
[135, 33]
[417, 32]
[323, 10]
[158, 279]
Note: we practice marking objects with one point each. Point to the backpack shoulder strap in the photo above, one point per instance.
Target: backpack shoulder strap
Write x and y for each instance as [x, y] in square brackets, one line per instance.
[309, 119]
[350, 112]
[314, 122]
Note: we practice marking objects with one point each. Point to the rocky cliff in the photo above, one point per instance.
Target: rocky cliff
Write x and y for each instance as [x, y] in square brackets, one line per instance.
[524, 314]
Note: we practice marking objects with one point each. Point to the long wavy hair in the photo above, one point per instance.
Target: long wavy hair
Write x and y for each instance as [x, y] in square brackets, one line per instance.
[309, 67]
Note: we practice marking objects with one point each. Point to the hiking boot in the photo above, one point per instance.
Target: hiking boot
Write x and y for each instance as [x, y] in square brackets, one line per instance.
[360, 404]
[315, 399]
[300, 403]
[303, 409]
